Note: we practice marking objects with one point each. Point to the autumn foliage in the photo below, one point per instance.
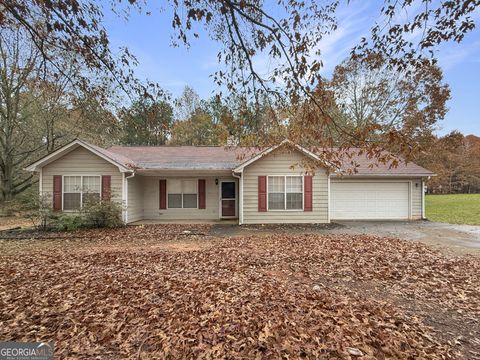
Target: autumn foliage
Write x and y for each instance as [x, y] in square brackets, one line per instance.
[455, 159]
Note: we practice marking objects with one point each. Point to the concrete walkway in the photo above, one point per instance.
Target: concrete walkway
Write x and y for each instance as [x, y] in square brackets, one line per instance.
[210, 222]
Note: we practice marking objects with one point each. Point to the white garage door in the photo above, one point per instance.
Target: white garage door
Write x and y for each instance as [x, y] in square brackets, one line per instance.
[369, 200]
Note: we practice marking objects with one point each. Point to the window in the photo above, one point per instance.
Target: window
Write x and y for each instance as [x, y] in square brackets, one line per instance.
[294, 191]
[174, 188]
[285, 193]
[78, 190]
[72, 192]
[182, 194]
[276, 193]
[91, 189]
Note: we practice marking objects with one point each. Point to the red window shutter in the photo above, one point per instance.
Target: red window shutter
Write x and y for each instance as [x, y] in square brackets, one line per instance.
[57, 192]
[262, 193]
[106, 187]
[307, 193]
[163, 194]
[201, 194]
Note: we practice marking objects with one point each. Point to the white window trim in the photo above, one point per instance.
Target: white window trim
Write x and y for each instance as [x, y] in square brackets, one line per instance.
[81, 186]
[285, 192]
[182, 180]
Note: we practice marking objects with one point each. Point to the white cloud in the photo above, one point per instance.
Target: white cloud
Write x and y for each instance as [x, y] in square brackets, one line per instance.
[453, 54]
[354, 22]
[173, 84]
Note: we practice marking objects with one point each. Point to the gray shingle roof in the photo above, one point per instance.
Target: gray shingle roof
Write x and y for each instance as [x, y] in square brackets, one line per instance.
[184, 157]
[223, 158]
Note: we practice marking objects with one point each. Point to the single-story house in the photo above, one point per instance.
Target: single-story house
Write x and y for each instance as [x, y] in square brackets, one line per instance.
[168, 183]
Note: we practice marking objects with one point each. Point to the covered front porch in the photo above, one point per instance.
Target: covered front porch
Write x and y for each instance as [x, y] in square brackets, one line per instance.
[181, 197]
[186, 222]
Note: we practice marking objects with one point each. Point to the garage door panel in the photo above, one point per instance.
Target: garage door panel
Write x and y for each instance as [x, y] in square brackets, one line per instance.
[363, 200]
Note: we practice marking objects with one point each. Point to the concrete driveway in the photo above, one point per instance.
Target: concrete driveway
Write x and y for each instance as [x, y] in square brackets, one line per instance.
[457, 238]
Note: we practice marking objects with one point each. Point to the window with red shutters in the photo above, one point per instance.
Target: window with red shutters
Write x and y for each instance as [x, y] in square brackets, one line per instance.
[57, 192]
[308, 191]
[106, 187]
[201, 194]
[262, 193]
[163, 194]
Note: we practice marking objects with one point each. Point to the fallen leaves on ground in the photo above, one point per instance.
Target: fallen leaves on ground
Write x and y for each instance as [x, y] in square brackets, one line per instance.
[131, 293]
[9, 222]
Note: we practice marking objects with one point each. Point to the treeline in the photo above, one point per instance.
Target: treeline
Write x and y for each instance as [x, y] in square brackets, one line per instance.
[455, 159]
[190, 120]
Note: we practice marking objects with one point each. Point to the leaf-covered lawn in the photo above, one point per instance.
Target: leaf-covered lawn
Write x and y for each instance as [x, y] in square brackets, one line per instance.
[453, 209]
[157, 292]
[9, 222]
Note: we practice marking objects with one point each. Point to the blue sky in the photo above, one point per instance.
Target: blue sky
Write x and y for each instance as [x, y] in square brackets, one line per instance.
[148, 37]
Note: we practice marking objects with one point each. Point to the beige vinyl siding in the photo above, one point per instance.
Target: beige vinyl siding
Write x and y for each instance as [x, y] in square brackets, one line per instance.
[280, 162]
[416, 198]
[81, 161]
[151, 200]
[134, 199]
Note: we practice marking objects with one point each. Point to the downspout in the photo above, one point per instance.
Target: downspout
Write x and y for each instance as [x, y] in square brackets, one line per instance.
[126, 194]
[240, 195]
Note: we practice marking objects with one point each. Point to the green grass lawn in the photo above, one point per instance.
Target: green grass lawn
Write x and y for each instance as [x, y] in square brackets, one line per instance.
[453, 209]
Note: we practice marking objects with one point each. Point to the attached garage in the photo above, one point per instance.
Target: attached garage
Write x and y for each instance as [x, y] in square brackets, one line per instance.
[370, 200]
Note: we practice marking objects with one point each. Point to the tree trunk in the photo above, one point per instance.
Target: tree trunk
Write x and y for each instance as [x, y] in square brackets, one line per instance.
[6, 180]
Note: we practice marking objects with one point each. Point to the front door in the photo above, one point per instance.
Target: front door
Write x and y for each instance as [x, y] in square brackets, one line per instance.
[227, 198]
